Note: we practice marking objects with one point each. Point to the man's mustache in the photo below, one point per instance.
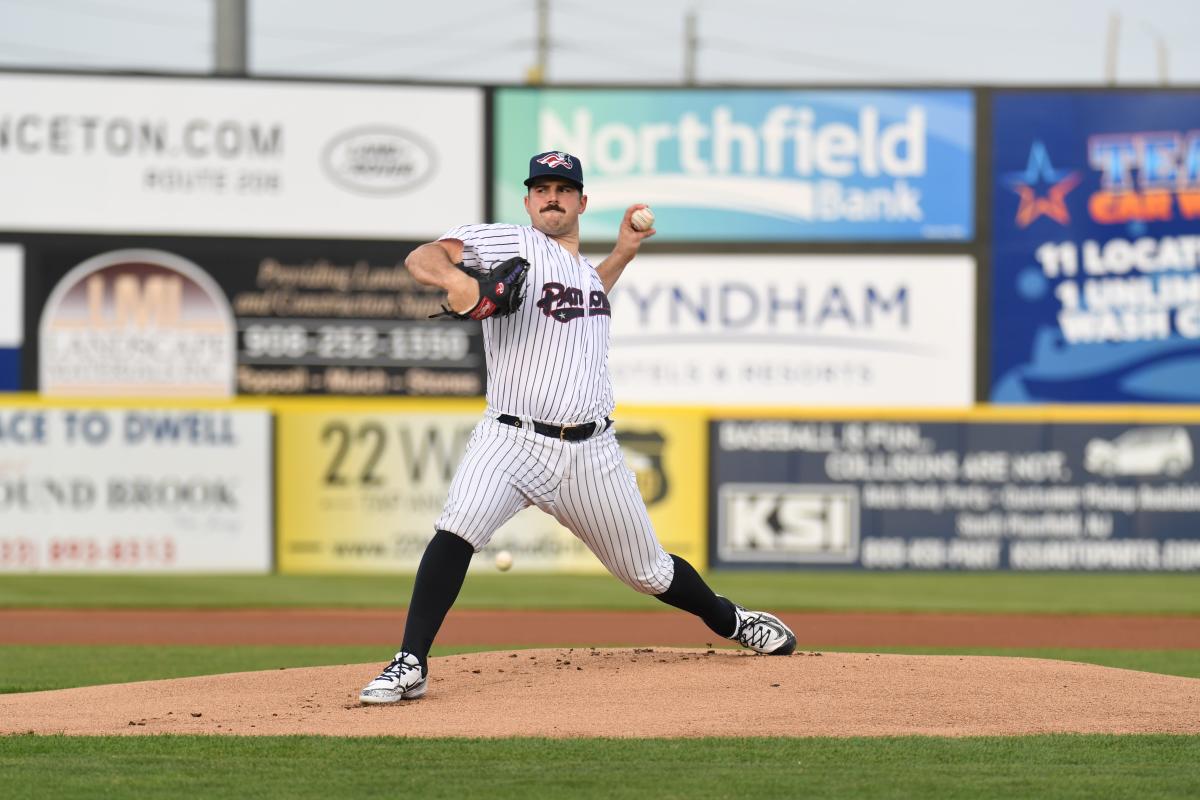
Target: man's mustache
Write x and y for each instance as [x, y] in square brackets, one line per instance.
[552, 207]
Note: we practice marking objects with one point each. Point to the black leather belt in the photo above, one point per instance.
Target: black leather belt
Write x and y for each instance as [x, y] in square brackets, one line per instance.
[567, 433]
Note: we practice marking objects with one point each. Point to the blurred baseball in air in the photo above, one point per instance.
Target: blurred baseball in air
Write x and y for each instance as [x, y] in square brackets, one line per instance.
[504, 561]
[642, 219]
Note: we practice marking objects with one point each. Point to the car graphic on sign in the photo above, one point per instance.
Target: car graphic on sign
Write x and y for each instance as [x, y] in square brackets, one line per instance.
[1141, 451]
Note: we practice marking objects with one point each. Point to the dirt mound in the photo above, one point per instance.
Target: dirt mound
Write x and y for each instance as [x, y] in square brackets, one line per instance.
[640, 692]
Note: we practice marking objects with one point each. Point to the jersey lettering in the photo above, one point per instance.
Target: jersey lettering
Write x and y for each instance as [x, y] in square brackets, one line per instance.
[598, 305]
[562, 303]
[565, 303]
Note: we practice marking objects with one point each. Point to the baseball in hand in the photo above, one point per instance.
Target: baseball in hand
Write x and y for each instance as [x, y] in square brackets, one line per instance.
[642, 219]
[504, 561]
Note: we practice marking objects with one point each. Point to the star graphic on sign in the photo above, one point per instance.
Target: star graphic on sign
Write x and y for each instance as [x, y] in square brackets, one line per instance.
[1054, 184]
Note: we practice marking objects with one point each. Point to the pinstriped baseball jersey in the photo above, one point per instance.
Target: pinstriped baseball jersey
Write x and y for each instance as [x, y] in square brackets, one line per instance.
[549, 360]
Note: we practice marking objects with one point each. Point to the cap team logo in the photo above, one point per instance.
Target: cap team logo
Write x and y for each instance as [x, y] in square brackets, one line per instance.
[556, 160]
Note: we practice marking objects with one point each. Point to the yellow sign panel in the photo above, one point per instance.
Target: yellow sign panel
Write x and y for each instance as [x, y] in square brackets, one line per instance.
[667, 449]
[358, 491]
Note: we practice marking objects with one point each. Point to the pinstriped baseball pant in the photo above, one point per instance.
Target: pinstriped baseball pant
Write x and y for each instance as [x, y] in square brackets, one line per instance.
[584, 485]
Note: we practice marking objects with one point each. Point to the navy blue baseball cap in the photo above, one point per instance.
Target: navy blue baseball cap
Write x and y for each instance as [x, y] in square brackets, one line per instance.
[555, 164]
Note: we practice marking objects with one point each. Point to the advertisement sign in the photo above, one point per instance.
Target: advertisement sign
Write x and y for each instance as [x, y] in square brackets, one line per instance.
[296, 317]
[1096, 259]
[795, 330]
[955, 495]
[12, 315]
[134, 490]
[359, 490]
[136, 322]
[751, 165]
[237, 157]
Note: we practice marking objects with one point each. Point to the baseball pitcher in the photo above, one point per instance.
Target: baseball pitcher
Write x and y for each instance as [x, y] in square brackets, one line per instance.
[547, 436]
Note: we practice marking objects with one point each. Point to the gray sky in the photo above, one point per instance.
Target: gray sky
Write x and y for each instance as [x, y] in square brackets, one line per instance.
[626, 41]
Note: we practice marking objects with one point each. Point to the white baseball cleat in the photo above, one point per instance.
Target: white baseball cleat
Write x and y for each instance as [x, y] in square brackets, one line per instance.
[762, 632]
[403, 679]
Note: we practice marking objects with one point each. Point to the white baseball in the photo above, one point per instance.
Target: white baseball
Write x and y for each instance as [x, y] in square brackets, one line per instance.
[503, 560]
[642, 219]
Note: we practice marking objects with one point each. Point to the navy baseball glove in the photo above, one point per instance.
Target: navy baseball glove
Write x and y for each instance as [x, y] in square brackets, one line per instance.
[501, 290]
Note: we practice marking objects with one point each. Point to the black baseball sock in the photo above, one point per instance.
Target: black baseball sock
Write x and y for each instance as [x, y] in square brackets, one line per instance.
[689, 592]
[439, 578]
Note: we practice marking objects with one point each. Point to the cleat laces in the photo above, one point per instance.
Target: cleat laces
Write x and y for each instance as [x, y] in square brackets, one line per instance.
[396, 671]
[754, 633]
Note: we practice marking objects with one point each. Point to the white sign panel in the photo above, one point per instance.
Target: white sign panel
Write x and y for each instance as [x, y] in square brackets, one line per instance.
[12, 315]
[787, 523]
[12, 295]
[795, 330]
[134, 490]
[226, 157]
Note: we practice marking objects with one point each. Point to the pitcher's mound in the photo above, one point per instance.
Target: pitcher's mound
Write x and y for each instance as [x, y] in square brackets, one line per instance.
[640, 692]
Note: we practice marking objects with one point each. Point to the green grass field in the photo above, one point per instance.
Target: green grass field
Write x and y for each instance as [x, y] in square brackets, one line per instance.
[304, 767]
[298, 767]
[795, 591]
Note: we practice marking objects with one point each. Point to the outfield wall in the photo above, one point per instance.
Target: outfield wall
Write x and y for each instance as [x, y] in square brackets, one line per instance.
[898, 254]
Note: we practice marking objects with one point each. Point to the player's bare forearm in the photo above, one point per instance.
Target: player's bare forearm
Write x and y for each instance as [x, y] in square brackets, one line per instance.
[433, 265]
[611, 268]
[628, 242]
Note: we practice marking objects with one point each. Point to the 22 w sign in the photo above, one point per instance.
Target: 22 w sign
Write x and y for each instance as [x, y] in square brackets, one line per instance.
[787, 523]
[425, 452]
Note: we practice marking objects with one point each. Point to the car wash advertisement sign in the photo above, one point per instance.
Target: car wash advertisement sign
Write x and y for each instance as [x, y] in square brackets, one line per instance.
[742, 165]
[1096, 259]
[891, 495]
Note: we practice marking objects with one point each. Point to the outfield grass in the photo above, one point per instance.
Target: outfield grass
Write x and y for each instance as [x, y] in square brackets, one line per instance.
[1072, 593]
[1060, 766]
[32, 668]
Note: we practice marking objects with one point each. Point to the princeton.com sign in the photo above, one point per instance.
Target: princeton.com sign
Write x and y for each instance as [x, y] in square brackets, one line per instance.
[241, 158]
[745, 165]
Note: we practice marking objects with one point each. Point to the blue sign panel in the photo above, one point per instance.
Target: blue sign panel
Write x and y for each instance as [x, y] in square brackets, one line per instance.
[1096, 255]
[751, 165]
[954, 495]
[12, 306]
[10, 369]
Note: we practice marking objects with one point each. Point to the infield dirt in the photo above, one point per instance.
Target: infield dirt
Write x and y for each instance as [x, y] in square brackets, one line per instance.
[642, 692]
